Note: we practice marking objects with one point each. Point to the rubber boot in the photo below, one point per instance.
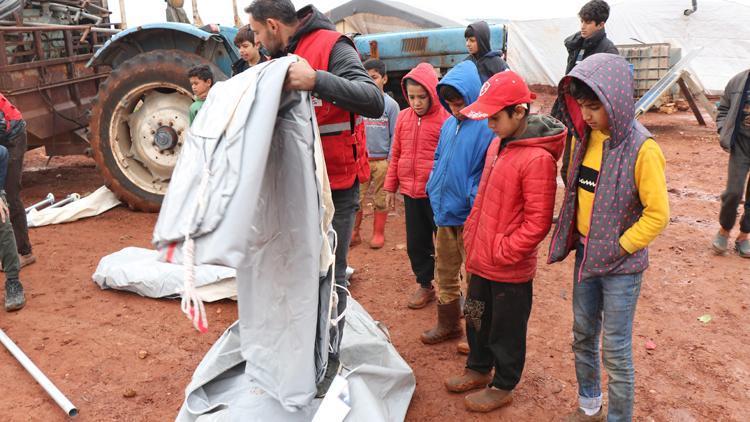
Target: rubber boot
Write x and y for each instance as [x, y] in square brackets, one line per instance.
[448, 325]
[356, 237]
[14, 297]
[378, 230]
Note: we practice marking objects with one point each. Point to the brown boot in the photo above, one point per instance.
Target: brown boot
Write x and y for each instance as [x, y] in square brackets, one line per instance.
[378, 230]
[469, 380]
[421, 297]
[488, 399]
[462, 348]
[448, 324]
[356, 237]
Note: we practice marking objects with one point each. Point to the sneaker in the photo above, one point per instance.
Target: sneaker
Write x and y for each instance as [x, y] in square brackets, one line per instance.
[469, 380]
[743, 248]
[333, 369]
[422, 297]
[488, 399]
[720, 244]
[14, 297]
[580, 416]
[24, 260]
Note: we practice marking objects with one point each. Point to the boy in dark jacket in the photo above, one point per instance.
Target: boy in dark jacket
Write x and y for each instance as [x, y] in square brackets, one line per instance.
[733, 123]
[511, 215]
[488, 62]
[615, 205]
[452, 187]
[250, 53]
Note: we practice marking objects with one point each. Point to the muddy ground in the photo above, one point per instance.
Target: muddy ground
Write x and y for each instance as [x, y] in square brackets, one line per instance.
[88, 340]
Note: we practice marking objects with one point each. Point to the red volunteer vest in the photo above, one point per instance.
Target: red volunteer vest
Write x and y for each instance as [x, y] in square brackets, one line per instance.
[10, 111]
[342, 132]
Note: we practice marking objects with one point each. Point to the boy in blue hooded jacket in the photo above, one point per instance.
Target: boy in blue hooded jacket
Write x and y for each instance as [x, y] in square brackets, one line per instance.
[452, 187]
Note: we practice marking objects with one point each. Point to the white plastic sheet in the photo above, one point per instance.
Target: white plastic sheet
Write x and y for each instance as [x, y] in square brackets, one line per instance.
[96, 203]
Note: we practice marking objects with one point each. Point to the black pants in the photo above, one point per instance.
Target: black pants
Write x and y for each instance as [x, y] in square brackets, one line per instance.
[496, 318]
[17, 149]
[420, 232]
[737, 185]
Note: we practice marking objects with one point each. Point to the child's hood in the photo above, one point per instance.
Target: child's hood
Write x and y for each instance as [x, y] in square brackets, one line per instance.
[609, 77]
[465, 79]
[424, 74]
[482, 34]
[543, 132]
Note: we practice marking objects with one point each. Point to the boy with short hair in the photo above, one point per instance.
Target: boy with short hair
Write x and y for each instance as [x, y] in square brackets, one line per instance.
[379, 134]
[615, 205]
[201, 80]
[512, 214]
[412, 154]
[733, 122]
[250, 53]
[452, 187]
[478, 44]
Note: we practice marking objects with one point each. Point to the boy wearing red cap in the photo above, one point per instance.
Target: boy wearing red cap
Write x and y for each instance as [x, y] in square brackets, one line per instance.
[511, 215]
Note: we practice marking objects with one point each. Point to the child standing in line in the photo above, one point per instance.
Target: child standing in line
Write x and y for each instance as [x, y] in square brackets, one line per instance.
[511, 215]
[412, 155]
[733, 122]
[379, 136]
[488, 61]
[452, 187]
[201, 80]
[615, 205]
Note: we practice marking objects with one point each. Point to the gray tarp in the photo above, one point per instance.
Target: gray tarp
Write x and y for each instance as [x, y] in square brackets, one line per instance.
[381, 383]
[250, 187]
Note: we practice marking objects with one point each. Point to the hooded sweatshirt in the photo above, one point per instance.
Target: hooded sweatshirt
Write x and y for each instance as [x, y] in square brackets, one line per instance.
[616, 195]
[513, 210]
[488, 62]
[459, 158]
[415, 139]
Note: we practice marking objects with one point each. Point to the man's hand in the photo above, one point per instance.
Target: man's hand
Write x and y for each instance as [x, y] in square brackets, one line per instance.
[300, 77]
[390, 200]
[4, 213]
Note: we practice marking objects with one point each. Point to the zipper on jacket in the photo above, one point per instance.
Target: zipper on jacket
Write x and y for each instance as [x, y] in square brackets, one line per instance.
[605, 150]
[414, 167]
[448, 162]
[480, 206]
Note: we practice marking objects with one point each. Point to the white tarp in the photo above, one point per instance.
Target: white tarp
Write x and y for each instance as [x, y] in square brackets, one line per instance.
[96, 203]
[381, 383]
[536, 50]
[138, 270]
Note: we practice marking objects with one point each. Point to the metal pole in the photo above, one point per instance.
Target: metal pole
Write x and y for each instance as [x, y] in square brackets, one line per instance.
[38, 375]
[123, 20]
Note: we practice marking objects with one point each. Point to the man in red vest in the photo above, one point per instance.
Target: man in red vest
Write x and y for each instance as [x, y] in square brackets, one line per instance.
[343, 91]
[13, 137]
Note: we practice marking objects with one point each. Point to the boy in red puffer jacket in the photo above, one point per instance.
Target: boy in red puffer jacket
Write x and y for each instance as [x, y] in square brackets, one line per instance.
[412, 155]
[511, 215]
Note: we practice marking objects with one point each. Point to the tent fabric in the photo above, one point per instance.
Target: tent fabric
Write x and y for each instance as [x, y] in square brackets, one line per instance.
[250, 188]
[98, 202]
[536, 50]
[138, 270]
[381, 383]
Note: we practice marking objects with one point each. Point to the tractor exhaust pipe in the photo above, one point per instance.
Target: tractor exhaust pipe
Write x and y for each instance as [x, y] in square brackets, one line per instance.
[39, 376]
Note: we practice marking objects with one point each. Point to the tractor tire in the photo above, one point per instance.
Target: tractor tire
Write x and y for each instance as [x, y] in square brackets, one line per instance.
[139, 121]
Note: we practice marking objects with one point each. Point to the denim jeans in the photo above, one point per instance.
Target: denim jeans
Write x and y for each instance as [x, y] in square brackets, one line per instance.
[606, 303]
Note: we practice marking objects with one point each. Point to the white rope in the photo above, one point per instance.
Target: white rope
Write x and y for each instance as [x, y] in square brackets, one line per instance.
[191, 304]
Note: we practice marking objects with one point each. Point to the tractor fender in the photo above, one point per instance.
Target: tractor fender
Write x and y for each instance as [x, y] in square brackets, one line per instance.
[214, 45]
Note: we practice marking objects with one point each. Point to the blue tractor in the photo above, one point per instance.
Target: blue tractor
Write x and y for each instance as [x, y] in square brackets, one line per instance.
[139, 119]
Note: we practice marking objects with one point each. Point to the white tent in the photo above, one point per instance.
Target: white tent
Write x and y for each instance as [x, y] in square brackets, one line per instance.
[720, 27]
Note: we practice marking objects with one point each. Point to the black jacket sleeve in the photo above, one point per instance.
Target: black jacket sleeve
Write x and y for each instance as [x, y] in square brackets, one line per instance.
[347, 84]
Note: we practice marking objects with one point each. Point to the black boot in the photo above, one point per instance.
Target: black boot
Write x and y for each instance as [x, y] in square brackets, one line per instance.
[14, 297]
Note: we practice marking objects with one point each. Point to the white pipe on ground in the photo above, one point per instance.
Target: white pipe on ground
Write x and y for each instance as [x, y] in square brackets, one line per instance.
[38, 375]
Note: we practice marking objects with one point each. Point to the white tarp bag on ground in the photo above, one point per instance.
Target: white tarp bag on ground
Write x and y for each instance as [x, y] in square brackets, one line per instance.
[96, 203]
[139, 271]
[250, 191]
[381, 384]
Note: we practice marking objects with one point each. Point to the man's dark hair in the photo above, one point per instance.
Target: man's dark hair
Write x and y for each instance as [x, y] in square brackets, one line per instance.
[244, 34]
[595, 10]
[282, 10]
[469, 32]
[511, 109]
[580, 91]
[376, 65]
[202, 72]
[449, 93]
